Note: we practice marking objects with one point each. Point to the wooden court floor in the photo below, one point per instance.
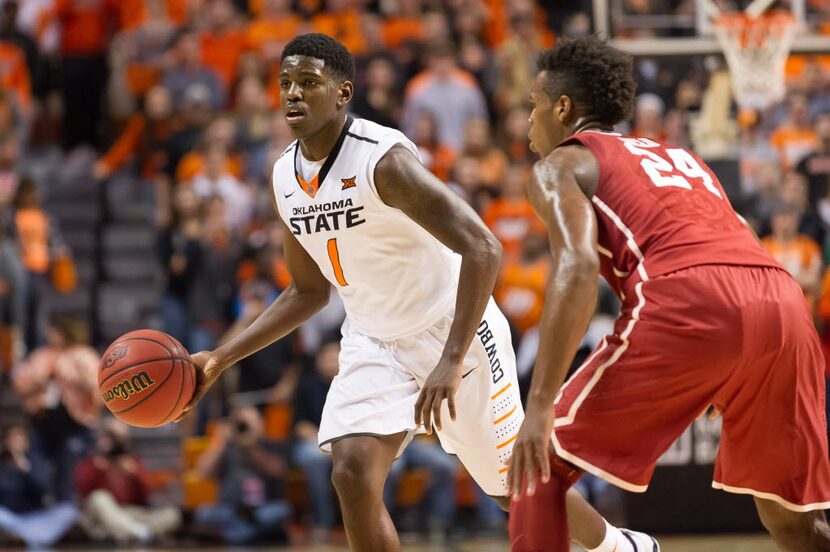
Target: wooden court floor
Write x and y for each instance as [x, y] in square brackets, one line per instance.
[713, 543]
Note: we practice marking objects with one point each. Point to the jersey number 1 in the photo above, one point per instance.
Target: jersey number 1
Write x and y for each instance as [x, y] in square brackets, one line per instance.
[663, 172]
[334, 257]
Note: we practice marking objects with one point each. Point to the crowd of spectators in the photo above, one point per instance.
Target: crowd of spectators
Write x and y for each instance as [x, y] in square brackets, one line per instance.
[183, 96]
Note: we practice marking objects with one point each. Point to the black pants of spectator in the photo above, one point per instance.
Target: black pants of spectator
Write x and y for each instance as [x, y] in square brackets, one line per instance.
[83, 79]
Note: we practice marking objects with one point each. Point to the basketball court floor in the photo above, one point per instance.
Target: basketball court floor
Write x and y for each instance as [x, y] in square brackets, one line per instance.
[709, 543]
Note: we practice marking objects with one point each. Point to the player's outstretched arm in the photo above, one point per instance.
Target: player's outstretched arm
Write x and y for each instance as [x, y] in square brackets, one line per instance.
[307, 294]
[559, 189]
[404, 183]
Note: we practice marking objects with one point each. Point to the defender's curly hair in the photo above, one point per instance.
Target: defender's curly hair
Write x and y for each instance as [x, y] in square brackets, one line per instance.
[338, 61]
[594, 75]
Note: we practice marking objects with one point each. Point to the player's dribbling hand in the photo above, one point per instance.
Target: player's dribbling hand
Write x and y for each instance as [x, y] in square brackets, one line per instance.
[530, 460]
[208, 369]
[441, 384]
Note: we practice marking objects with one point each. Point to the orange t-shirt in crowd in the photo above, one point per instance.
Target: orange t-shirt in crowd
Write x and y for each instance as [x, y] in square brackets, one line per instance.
[510, 220]
[497, 27]
[128, 144]
[264, 31]
[397, 30]
[33, 233]
[439, 160]
[85, 28]
[793, 143]
[133, 13]
[521, 292]
[193, 163]
[345, 27]
[222, 53]
[14, 75]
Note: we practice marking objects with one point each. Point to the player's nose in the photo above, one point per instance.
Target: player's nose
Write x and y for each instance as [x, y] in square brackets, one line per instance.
[294, 92]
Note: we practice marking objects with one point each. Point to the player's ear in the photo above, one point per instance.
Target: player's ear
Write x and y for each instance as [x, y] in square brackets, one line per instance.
[563, 109]
[345, 91]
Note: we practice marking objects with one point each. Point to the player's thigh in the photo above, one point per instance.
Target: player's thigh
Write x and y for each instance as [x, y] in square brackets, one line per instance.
[488, 407]
[371, 395]
[631, 399]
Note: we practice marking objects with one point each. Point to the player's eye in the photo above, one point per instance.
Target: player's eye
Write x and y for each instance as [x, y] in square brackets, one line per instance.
[284, 84]
[309, 83]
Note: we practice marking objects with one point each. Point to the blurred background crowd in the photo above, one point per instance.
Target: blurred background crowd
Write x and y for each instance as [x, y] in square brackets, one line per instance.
[137, 139]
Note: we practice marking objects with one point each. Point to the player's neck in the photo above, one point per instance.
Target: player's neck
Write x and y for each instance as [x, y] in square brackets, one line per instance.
[588, 124]
[319, 145]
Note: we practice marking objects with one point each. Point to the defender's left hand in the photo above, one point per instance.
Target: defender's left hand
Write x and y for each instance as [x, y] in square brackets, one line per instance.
[441, 384]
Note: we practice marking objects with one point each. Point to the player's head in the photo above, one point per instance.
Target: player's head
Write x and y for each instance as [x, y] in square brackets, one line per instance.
[580, 81]
[316, 82]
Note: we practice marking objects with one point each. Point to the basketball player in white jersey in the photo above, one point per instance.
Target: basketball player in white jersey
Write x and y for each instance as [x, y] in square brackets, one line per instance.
[424, 345]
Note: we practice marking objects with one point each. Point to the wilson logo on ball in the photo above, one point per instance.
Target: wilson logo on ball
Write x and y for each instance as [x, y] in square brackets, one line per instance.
[115, 355]
[128, 387]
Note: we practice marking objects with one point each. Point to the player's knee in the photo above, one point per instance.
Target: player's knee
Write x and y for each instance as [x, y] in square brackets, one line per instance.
[793, 531]
[351, 474]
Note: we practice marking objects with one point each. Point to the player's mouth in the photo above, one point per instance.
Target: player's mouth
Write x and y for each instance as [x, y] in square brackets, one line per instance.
[294, 114]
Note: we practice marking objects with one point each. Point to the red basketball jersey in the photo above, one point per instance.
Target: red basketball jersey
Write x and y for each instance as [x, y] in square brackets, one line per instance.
[661, 209]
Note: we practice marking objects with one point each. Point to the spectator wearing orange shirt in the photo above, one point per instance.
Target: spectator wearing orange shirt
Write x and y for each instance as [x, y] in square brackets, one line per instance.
[36, 239]
[510, 216]
[405, 24]
[438, 158]
[86, 26]
[795, 138]
[797, 253]
[341, 19]
[144, 48]
[220, 132]
[222, 43]
[145, 136]
[520, 291]
[492, 160]
[274, 26]
[14, 79]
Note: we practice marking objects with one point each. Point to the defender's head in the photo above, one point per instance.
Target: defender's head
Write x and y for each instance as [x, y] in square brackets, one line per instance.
[316, 82]
[580, 81]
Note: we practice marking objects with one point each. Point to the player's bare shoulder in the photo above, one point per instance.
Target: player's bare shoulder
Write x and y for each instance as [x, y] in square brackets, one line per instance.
[566, 164]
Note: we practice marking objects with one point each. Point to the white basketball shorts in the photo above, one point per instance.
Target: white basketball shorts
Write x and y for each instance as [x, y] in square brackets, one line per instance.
[378, 383]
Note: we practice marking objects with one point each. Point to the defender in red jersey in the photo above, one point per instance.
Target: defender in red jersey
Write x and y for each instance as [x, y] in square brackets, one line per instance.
[708, 318]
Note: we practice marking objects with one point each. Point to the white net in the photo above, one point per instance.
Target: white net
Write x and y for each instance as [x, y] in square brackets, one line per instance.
[756, 51]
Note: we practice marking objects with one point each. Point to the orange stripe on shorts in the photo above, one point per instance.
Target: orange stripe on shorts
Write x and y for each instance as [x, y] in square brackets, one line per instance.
[500, 391]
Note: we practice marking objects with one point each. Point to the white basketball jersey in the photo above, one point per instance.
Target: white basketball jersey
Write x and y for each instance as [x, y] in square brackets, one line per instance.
[394, 277]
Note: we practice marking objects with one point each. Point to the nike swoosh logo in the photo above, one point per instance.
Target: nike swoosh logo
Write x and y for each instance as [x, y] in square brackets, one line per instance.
[288, 195]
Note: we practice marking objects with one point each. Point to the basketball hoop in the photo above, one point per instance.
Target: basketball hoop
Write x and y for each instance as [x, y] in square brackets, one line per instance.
[756, 50]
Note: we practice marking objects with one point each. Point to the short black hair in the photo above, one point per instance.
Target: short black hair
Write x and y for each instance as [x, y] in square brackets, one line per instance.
[338, 60]
[594, 75]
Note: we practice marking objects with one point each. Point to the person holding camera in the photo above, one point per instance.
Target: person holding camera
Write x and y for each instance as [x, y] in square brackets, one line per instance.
[115, 492]
[251, 471]
[23, 481]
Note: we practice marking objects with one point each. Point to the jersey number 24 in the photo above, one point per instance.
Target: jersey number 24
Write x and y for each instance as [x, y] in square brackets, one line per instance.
[674, 171]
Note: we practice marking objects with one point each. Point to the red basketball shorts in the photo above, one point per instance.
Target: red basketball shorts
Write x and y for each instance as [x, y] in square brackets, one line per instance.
[739, 338]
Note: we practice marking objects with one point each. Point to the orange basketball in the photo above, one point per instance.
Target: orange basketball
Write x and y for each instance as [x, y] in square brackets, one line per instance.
[146, 378]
